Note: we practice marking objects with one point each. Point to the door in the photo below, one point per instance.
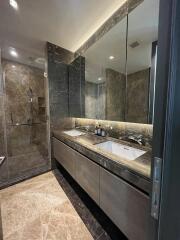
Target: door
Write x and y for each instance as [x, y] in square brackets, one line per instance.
[166, 123]
[167, 120]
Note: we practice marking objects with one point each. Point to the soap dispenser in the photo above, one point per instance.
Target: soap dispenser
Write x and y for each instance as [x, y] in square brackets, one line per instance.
[99, 130]
[103, 133]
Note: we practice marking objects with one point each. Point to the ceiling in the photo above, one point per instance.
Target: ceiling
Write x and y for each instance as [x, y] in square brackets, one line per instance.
[142, 27]
[67, 23]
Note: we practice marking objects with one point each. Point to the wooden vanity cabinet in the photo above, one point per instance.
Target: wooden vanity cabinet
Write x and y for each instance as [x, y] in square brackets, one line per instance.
[87, 175]
[125, 205]
[83, 170]
[65, 155]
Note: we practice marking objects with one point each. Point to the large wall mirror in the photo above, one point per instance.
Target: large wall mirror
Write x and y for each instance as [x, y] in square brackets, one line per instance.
[120, 68]
[105, 64]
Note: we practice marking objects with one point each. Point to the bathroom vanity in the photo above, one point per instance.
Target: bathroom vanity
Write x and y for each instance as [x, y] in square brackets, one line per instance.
[119, 186]
[109, 84]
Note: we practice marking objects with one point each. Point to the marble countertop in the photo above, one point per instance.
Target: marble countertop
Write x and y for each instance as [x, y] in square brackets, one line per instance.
[136, 171]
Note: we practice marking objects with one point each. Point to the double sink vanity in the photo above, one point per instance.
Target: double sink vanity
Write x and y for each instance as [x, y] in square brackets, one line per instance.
[114, 173]
[109, 85]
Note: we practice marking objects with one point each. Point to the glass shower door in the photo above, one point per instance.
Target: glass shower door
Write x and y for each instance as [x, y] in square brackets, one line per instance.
[3, 148]
[26, 121]
[24, 124]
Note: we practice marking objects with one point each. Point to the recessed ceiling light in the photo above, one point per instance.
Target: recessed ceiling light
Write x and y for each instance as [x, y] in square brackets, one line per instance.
[13, 4]
[99, 79]
[111, 57]
[13, 52]
[13, 66]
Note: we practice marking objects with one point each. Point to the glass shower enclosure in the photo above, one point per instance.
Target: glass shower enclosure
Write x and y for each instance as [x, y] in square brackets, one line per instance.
[24, 117]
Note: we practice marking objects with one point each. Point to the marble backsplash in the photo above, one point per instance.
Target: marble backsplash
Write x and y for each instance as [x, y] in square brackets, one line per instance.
[117, 129]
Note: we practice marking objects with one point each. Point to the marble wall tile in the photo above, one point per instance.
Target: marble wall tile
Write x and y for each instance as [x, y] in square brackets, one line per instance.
[115, 95]
[101, 101]
[77, 87]
[91, 92]
[19, 81]
[138, 96]
[118, 129]
[58, 60]
[95, 100]
[58, 54]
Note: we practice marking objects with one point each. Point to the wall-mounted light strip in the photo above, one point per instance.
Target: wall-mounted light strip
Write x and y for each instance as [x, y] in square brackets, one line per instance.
[102, 19]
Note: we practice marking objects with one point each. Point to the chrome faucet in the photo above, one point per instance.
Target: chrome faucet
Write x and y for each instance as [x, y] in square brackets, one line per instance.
[134, 138]
[137, 139]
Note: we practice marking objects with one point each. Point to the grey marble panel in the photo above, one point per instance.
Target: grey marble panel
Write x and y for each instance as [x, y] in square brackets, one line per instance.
[115, 95]
[59, 54]
[138, 96]
[58, 77]
[60, 109]
[91, 91]
[77, 87]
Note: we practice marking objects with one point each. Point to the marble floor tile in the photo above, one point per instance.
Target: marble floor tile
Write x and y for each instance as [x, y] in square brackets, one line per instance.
[39, 209]
[53, 206]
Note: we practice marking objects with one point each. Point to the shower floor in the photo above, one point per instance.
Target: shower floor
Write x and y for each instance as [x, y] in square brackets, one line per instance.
[25, 159]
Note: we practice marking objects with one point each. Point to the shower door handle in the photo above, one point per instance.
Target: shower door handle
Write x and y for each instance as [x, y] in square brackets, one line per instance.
[2, 159]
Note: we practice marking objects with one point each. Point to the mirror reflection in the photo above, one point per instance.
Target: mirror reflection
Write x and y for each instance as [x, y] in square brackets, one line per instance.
[105, 75]
[141, 50]
[120, 68]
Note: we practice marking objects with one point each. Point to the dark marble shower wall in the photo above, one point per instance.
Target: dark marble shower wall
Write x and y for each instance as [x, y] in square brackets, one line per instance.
[77, 87]
[26, 118]
[66, 76]
[58, 60]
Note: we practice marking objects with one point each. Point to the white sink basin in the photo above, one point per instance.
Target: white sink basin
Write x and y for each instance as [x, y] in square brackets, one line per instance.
[74, 133]
[120, 150]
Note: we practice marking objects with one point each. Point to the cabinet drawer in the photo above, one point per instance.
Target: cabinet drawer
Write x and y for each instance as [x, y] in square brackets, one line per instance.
[65, 156]
[127, 207]
[87, 175]
[83, 170]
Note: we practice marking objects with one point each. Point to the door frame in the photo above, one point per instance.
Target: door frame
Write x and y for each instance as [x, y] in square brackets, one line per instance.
[166, 125]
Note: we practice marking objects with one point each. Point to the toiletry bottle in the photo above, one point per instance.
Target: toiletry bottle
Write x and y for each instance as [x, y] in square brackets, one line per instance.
[103, 133]
[96, 130]
[99, 130]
